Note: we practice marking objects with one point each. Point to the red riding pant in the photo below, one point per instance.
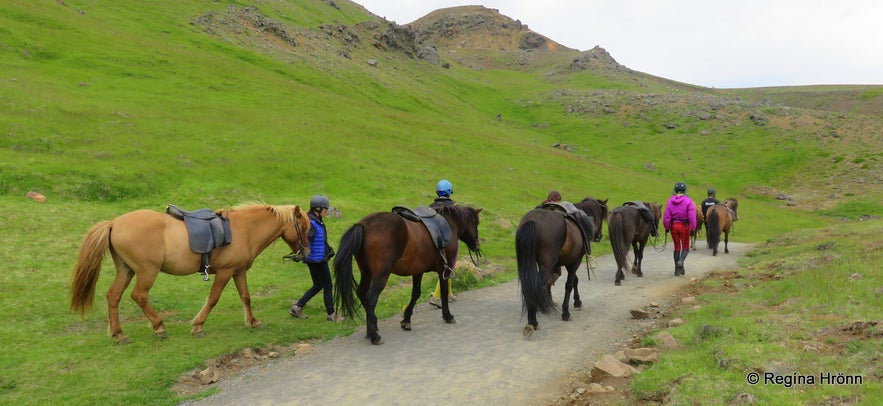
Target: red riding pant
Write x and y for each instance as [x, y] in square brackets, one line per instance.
[680, 235]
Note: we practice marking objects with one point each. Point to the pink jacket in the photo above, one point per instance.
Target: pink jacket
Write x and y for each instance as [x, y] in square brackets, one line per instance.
[679, 208]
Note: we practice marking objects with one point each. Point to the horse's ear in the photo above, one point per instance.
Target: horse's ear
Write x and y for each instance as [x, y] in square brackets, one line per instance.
[297, 210]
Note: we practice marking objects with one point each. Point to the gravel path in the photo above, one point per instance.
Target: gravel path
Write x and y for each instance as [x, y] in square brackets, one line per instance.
[484, 358]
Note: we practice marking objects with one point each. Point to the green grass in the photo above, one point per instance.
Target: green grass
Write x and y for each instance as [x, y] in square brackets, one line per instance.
[109, 108]
[799, 299]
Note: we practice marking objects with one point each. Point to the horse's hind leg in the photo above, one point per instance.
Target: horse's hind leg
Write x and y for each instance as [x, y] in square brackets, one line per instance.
[123, 277]
[568, 288]
[726, 242]
[143, 283]
[639, 259]
[369, 303]
[532, 324]
[416, 291]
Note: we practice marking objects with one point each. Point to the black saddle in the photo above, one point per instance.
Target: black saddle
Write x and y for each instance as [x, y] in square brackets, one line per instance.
[646, 214]
[438, 227]
[584, 221]
[206, 230]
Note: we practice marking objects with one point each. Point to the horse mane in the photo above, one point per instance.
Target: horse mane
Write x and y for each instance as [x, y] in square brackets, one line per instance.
[283, 213]
[459, 212]
[734, 201]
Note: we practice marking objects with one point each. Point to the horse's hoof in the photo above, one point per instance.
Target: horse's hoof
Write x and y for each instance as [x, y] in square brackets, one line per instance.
[161, 334]
[617, 283]
[406, 326]
[199, 333]
[123, 340]
[640, 274]
[578, 305]
[565, 317]
[528, 330]
[377, 341]
[451, 320]
[256, 324]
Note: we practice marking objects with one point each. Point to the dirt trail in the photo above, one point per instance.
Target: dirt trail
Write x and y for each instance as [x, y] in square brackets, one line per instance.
[484, 358]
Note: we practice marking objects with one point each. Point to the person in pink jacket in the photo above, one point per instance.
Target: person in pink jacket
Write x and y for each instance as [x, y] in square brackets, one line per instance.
[680, 220]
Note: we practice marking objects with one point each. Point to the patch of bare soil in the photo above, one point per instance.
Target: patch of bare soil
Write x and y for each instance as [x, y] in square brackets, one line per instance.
[224, 367]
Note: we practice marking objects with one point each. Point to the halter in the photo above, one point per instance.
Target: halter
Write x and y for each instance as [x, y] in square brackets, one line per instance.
[298, 255]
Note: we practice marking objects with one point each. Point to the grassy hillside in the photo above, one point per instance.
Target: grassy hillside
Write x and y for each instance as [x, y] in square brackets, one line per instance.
[112, 107]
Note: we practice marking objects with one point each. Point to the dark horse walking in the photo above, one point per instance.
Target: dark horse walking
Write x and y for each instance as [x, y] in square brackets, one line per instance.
[628, 227]
[545, 241]
[720, 220]
[385, 243]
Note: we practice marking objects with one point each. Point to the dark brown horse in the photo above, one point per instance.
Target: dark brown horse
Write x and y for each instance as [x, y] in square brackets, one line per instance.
[545, 241]
[700, 219]
[720, 221]
[386, 243]
[628, 227]
[144, 243]
[597, 211]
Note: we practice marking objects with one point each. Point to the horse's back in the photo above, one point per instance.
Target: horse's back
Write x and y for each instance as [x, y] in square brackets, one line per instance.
[391, 239]
[151, 238]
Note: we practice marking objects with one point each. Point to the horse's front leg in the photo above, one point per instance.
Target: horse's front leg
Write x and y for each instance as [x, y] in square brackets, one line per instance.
[568, 288]
[639, 258]
[635, 266]
[577, 303]
[416, 291]
[726, 242]
[620, 275]
[221, 279]
[445, 290]
[245, 297]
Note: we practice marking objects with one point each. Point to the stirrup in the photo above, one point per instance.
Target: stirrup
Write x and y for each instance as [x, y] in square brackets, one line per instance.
[448, 273]
[204, 272]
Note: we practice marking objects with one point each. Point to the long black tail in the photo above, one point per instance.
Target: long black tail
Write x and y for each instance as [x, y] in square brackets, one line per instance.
[713, 234]
[616, 231]
[344, 281]
[533, 287]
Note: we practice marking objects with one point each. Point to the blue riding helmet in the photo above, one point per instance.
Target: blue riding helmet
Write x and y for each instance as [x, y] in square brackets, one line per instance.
[444, 188]
[680, 187]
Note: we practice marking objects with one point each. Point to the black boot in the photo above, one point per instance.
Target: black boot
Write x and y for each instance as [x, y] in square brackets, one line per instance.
[682, 259]
[677, 255]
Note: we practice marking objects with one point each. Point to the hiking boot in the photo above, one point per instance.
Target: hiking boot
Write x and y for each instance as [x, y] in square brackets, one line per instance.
[435, 301]
[297, 311]
[335, 317]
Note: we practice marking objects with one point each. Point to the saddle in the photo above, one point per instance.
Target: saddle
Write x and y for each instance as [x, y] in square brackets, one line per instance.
[206, 230]
[438, 228]
[645, 213]
[583, 221]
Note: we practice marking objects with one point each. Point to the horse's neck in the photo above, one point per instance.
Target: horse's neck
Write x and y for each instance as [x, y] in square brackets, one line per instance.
[262, 227]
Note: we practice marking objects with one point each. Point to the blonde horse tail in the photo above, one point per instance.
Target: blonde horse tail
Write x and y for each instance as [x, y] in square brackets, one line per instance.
[88, 267]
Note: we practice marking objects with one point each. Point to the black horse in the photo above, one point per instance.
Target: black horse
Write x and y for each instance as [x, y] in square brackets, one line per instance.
[628, 226]
[546, 240]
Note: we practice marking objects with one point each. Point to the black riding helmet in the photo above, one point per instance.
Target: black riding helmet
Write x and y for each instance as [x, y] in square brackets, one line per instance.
[319, 202]
[680, 187]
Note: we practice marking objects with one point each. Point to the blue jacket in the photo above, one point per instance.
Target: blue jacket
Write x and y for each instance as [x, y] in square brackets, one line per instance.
[319, 248]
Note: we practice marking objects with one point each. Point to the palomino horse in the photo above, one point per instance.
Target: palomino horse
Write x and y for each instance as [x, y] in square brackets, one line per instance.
[144, 243]
[700, 219]
[545, 241]
[628, 227]
[720, 220]
[385, 243]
